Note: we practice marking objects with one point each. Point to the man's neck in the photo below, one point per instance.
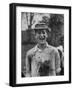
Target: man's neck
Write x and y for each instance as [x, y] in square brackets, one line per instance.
[42, 46]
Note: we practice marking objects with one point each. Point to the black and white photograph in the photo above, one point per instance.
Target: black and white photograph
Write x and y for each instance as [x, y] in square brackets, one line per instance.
[41, 44]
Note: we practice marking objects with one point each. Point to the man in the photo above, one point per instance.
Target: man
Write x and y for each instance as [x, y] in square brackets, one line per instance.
[43, 59]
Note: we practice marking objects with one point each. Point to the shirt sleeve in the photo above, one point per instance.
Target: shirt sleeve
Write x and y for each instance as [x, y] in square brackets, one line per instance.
[62, 60]
[28, 72]
[57, 62]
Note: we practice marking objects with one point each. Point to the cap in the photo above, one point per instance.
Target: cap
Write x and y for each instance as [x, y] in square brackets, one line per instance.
[41, 26]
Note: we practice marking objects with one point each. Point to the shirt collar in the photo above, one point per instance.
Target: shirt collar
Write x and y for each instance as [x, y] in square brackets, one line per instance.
[36, 47]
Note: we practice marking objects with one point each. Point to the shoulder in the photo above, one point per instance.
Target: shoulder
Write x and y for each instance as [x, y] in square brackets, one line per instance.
[30, 52]
[52, 49]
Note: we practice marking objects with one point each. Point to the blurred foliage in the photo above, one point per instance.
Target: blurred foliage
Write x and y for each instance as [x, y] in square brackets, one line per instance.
[56, 23]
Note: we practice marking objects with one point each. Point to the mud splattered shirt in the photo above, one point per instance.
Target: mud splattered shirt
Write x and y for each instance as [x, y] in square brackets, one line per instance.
[48, 59]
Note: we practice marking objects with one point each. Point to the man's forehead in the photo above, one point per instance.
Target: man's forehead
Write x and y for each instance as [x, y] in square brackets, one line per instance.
[40, 30]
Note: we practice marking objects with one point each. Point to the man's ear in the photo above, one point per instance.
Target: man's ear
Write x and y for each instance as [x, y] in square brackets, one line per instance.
[46, 35]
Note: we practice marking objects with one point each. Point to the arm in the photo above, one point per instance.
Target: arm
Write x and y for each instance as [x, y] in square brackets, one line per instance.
[62, 60]
[28, 72]
[57, 63]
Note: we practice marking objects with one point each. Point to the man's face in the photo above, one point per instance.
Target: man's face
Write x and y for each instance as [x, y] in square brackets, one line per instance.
[41, 36]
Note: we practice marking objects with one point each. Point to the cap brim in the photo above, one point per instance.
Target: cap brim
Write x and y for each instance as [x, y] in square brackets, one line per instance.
[48, 29]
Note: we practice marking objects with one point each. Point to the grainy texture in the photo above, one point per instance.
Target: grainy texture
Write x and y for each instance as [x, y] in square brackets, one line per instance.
[55, 37]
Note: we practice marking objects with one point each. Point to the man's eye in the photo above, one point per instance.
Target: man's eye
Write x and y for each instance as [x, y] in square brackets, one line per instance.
[40, 32]
[43, 32]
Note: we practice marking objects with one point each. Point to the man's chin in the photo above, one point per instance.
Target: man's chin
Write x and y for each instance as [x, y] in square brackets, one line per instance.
[42, 42]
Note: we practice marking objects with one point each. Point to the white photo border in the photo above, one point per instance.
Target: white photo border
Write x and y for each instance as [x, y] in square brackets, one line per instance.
[26, 80]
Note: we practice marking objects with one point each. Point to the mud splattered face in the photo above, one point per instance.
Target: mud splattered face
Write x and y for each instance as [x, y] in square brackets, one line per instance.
[41, 36]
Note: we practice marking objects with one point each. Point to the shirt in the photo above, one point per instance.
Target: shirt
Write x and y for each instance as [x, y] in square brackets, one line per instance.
[37, 57]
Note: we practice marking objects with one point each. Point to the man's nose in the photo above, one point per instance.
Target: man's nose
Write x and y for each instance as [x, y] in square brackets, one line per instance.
[42, 34]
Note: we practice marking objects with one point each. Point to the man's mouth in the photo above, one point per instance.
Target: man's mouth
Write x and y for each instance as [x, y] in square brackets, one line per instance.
[42, 38]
